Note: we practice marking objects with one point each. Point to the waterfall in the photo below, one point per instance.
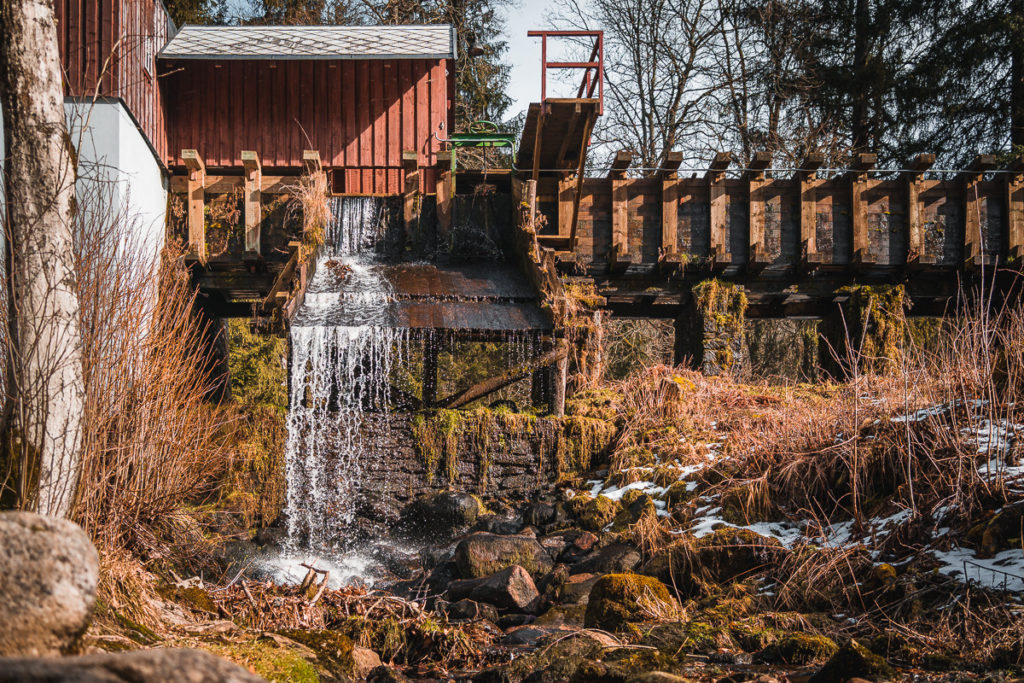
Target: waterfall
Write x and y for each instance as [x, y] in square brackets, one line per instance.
[342, 355]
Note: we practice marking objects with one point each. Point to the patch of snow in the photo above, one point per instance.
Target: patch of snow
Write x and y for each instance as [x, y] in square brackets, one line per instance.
[1005, 571]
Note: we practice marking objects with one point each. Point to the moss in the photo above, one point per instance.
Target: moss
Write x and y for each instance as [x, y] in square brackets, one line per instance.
[692, 637]
[437, 439]
[594, 514]
[640, 507]
[267, 659]
[192, 597]
[854, 660]
[799, 649]
[333, 649]
[578, 442]
[677, 493]
[135, 631]
[617, 600]
[874, 323]
[602, 404]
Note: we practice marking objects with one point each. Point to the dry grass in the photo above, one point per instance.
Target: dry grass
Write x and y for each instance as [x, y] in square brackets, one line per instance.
[312, 194]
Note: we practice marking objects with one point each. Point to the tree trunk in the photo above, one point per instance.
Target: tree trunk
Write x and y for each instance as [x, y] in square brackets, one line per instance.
[45, 387]
[1017, 75]
[861, 94]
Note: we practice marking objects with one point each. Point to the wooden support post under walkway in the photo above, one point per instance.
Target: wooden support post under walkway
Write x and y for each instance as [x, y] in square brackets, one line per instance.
[492, 384]
[253, 179]
[858, 175]
[718, 201]
[618, 257]
[757, 255]
[669, 258]
[445, 191]
[1015, 209]
[411, 194]
[196, 204]
[809, 256]
[974, 246]
[915, 225]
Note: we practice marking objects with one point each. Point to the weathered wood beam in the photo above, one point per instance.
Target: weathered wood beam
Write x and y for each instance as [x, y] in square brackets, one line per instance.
[860, 165]
[758, 255]
[253, 183]
[196, 204]
[538, 136]
[718, 201]
[668, 254]
[566, 200]
[1014, 197]
[279, 291]
[492, 384]
[973, 238]
[445, 192]
[563, 148]
[915, 224]
[226, 184]
[618, 257]
[810, 258]
[411, 193]
[588, 128]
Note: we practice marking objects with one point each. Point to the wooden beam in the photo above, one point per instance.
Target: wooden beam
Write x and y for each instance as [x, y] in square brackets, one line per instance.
[717, 199]
[563, 149]
[758, 255]
[618, 258]
[1014, 194]
[541, 118]
[492, 384]
[226, 184]
[861, 164]
[445, 191]
[915, 225]
[670, 165]
[973, 238]
[588, 128]
[669, 209]
[411, 193]
[253, 180]
[566, 201]
[196, 204]
[808, 178]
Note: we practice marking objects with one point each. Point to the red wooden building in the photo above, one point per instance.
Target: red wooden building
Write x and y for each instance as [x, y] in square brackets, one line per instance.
[360, 96]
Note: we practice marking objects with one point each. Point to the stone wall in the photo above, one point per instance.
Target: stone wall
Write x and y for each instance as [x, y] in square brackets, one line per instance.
[481, 452]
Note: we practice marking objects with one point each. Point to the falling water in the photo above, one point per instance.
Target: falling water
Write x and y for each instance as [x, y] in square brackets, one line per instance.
[340, 369]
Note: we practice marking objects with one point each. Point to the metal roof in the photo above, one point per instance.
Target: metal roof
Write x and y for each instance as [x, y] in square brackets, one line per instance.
[312, 42]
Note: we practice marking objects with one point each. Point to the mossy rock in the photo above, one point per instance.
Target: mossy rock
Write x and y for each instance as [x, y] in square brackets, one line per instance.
[619, 665]
[269, 659]
[639, 507]
[1000, 532]
[618, 600]
[692, 637]
[594, 514]
[854, 660]
[193, 597]
[555, 661]
[333, 649]
[678, 493]
[799, 649]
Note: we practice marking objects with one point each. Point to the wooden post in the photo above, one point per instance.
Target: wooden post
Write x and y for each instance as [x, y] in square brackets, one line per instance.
[717, 199]
[444, 192]
[862, 164]
[618, 257]
[566, 197]
[196, 204]
[973, 239]
[411, 195]
[1015, 210]
[537, 139]
[311, 160]
[253, 179]
[670, 203]
[758, 255]
[915, 225]
[809, 256]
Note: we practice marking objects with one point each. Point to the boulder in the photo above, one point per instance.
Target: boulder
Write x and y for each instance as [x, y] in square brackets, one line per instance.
[364, 660]
[483, 554]
[618, 600]
[612, 559]
[576, 589]
[799, 649]
[48, 574]
[638, 506]
[499, 524]
[386, 674]
[510, 590]
[579, 544]
[854, 660]
[594, 514]
[141, 666]
[471, 609]
[439, 515]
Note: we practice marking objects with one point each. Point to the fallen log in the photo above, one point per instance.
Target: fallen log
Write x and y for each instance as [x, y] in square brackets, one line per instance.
[492, 384]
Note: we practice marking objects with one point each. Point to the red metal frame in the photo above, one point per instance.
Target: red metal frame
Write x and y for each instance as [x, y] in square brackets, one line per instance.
[596, 64]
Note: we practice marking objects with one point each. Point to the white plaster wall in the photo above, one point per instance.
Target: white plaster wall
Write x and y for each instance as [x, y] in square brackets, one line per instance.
[118, 174]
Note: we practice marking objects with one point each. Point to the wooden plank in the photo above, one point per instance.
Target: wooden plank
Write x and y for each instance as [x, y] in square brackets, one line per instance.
[669, 203]
[618, 257]
[537, 138]
[445, 190]
[311, 161]
[223, 184]
[718, 201]
[758, 255]
[915, 222]
[973, 239]
[253, 201]
[858, 176]
[566, 199]
[1014, 194]
[563, 149]
[808, 178]
[588, 128]
[196, 204]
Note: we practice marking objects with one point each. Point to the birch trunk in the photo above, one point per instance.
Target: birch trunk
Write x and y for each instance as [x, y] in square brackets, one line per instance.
[44, 387]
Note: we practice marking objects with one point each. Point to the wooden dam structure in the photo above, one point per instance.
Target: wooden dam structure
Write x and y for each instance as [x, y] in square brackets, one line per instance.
[242, 117]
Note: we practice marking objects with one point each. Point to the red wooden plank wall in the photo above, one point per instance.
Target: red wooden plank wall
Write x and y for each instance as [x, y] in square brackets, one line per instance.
[108, 48]
[359, 114]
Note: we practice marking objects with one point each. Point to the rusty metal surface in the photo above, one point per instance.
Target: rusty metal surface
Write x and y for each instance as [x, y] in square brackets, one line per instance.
[476, 282]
